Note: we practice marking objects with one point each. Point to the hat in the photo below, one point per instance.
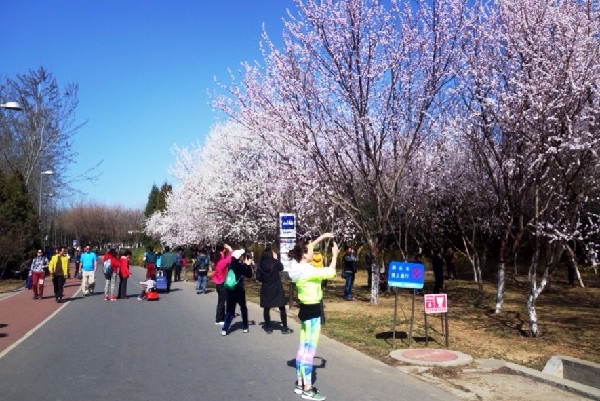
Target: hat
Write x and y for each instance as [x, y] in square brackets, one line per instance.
[237, 253]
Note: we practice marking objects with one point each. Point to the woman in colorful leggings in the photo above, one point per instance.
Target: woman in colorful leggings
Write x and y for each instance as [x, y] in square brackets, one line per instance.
[308, 282]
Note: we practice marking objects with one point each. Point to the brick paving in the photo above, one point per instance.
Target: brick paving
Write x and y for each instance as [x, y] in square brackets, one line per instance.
[19, 312]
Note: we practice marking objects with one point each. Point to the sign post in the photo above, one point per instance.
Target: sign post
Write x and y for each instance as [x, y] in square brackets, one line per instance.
[436, 303]
[287, 240]
[405, 275]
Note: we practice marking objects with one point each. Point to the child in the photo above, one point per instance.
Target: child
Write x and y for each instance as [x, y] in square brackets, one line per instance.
[149, 286]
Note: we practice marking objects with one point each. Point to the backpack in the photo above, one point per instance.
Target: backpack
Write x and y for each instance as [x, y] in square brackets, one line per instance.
[230, 281]
[107, 266]
[200, 264]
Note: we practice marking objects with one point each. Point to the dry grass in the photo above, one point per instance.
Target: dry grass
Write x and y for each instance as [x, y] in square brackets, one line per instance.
[10, 285]
[568, 319]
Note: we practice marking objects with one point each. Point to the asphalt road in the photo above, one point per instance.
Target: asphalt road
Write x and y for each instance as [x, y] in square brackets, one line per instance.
[172, 350]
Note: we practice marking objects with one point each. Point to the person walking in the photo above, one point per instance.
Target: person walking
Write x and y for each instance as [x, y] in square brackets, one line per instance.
[77, 258]
[38, 273]
[184, 267]
[237, 295]
[88, 270]
[450, 266]
[221, 259]
[177, 265]
[110, 261]
[201, 271]
[271, 289]
[167, 261]
[150, 263]
[124, 274]
[59, 268]
[308, 282]
[349, 272]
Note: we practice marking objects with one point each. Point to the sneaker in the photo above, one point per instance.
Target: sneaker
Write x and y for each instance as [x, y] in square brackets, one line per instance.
[286, 330]
[219, 323]
[105, 298]
[223, 333]
[113, 298]
[140, 299]
[298, 388]
[245, 331]
[312, 394]
[269, 330]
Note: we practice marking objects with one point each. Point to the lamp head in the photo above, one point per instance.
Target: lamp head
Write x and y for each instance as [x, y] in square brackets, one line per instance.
[11, 106]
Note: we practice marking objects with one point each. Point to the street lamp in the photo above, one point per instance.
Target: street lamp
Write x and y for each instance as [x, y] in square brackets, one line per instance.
[11, 106]
[42, 174]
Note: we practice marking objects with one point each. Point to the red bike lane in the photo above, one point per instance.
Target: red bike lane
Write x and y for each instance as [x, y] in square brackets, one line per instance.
[20, 313]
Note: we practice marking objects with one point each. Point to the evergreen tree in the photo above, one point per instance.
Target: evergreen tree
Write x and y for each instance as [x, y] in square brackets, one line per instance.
[19, 231]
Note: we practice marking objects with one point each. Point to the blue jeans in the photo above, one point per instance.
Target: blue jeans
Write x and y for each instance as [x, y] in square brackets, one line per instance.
[201, 283]
[348, 286]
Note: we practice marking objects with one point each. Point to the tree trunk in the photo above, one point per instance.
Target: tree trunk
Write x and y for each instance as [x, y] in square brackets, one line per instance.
[374, 283]
[500, 290]
[473, 256]
[533, 322]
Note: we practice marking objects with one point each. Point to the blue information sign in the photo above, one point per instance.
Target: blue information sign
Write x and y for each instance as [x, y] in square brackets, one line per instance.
[287, 225]
[406, 275]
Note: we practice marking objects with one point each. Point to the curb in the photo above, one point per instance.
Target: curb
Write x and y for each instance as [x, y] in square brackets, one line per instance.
[564, 384]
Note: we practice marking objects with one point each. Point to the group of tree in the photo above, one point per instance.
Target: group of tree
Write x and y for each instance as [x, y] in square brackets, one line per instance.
[98, 225]
[408, 125]
[38, 137]
[35, 138]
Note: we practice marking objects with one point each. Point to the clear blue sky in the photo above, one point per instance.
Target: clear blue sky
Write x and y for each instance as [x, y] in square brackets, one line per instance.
[144, 69]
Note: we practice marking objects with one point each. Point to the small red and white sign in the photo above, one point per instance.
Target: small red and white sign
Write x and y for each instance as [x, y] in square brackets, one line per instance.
[436, 303]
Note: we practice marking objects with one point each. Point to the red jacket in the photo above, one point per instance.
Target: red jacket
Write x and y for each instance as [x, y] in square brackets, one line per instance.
[124, 267]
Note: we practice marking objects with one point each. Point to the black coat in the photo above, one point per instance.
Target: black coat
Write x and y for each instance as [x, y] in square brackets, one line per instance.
[271, 290]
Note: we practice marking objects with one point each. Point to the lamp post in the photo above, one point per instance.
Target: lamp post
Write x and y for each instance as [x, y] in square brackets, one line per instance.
[42, 174]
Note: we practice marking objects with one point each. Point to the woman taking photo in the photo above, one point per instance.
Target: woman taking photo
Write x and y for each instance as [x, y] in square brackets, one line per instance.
[308, 282]
[271, 289]
[221, 259]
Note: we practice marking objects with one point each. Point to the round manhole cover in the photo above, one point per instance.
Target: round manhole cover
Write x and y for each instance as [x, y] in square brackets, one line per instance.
[429, 355]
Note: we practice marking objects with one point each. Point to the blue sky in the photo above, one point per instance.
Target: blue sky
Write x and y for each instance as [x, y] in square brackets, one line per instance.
[144, 69]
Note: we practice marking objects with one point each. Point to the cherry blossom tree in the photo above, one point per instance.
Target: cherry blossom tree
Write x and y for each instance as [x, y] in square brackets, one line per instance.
[532, 101]
[354, 92]
[232, 188]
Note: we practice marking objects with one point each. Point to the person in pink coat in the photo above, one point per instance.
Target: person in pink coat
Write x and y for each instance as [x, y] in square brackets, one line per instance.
[222, 259]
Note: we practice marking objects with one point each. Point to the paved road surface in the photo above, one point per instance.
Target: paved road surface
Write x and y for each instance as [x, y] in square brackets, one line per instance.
[172, 350]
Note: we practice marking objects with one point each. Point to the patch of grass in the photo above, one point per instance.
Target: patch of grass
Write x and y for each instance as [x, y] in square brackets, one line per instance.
[10, 285]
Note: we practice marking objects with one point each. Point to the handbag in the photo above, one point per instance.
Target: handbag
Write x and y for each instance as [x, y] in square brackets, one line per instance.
[29, 282]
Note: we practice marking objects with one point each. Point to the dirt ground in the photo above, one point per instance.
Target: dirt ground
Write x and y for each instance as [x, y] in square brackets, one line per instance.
[569, 322]
[568, 318]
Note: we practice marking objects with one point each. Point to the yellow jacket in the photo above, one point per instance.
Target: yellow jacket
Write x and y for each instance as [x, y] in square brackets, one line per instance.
[64, 262]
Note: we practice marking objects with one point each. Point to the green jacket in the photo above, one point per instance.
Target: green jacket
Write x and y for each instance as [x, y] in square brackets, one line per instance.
[167, 261]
